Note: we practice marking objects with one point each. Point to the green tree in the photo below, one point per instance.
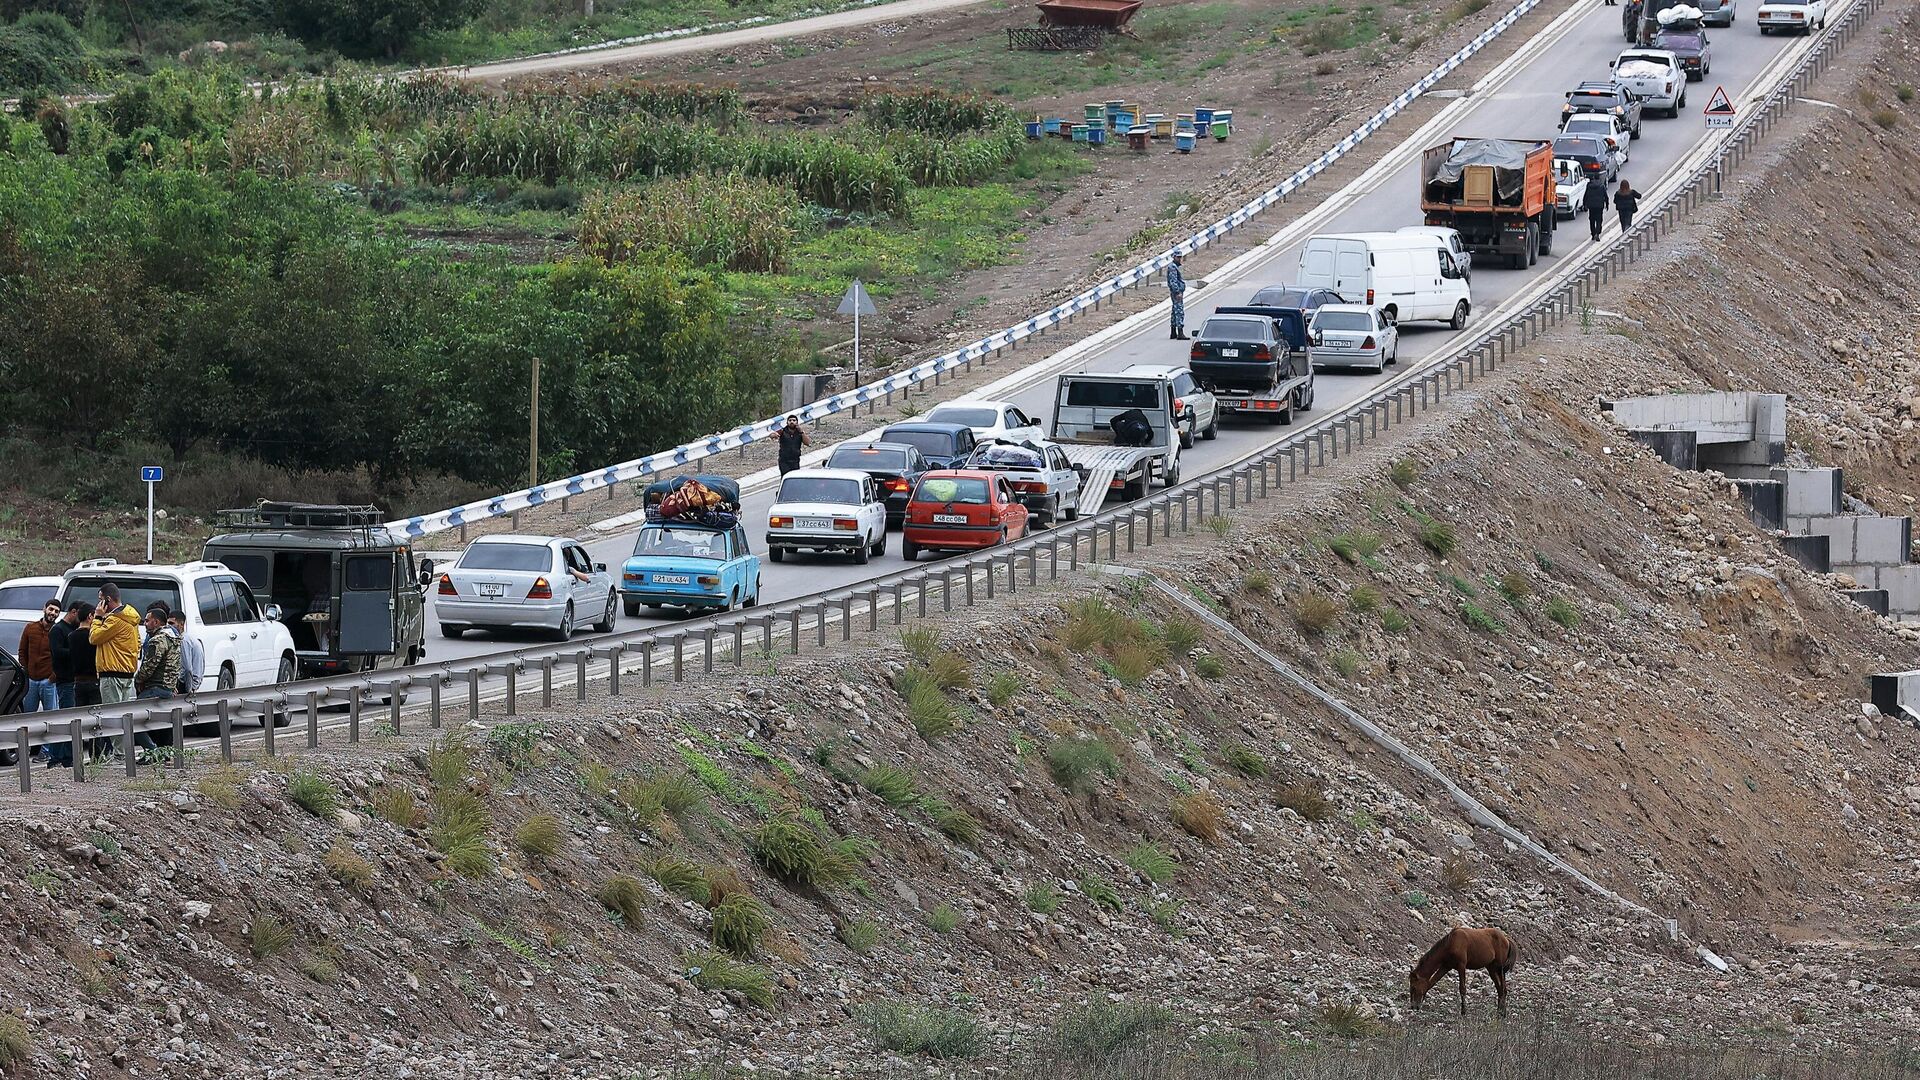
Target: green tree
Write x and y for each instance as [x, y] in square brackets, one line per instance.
[372, 27]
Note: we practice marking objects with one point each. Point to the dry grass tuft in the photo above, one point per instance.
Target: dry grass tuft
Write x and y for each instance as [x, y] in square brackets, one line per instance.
[1200, 814]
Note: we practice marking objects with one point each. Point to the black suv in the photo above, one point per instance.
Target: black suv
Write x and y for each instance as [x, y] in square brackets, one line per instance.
[1604, 97]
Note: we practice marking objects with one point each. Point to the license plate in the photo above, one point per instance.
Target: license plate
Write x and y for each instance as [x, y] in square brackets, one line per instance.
[812, 523]
[1229, 352]
[493, 590]
[670, 579]
[949, 519]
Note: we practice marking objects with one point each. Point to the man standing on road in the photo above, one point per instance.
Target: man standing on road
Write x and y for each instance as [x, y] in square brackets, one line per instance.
[60, 643]
[792, 438]
[1595, 202]
[86, 680]
[1177, 288]
[36, 656]
[1627, 201]
[116, 643]
[193, 659]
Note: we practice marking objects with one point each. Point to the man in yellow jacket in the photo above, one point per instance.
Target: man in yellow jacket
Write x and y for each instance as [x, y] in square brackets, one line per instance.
[116, 645]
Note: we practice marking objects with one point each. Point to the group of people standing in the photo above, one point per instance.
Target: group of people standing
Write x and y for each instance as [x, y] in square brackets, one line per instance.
[106, 653]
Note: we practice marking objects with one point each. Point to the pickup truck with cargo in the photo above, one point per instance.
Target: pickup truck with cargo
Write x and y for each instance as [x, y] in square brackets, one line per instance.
[1655, 77]
[1499, 193]
[1117, 431]
[1254, 360]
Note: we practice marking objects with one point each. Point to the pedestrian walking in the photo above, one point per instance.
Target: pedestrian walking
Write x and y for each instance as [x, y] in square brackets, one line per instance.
[1595, 202]
[792, 438]
[1627, 202]
[1177, 288]
[60, 644]
[116, 643]
[193, 658]
[36, 656]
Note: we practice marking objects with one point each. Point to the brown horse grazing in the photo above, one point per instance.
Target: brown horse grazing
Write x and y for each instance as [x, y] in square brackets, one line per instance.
[1464, 949]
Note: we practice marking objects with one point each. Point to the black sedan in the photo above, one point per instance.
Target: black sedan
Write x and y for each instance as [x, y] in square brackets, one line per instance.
[1304, 300]
[1596, 160]
[945, 446]
[895, 468]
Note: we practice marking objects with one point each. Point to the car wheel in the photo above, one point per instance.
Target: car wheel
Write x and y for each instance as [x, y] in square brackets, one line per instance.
[733, 600]
[631, 607]
[1533, 244]
[862, 553]
[225, 680]
[909, 550]
[1460, 313]
[777, 554]
[754, 599]
[1213, 427]
[880, 545]
[451, 630]
[565, 630]
[1169, 476]
[285, 672]
[1073, 512]
[606, 623]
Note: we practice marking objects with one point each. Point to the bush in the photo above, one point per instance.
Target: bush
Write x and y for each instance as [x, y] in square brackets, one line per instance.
[1100, 892]
[1356, 546]
[347, 867]
[1093, 623]
[1257, 582]
[396, 804]
[717, 972]
[1480, 619]
[954, 823]
[789, 850]
[1437, 536]
[1363, 599]
[928, 708]
[1042, 897]
[1133, 662]
[1079, 761]
[922, 643]
[923, 1029]
[1219, 526]
[1314, 613]
[1246, 761]
[1353, 1021]
[313, 793]
[944, 919]
[540, 836]
[894, 786]
[42, 50]
[950, 671]
[1210, 667]
[268, 936]
[1563, 612]
[1515, 587]
[1002, 687]
[859, 936]
[1404, 473]
[739, 922]
[447, 762]
[680, 877]
[458, 831]
[1346, 661]
[1150, 861]
[1180, 636]
[624, 897]
[1306, 800]
[1200, 814]
[1394, 621]
[1456, 873]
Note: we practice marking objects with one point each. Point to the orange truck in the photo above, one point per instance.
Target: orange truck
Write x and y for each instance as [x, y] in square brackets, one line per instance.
[1497, 193]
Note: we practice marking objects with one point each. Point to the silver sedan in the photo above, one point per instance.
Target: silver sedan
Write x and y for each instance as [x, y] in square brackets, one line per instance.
[513, 582]
[1352, 335]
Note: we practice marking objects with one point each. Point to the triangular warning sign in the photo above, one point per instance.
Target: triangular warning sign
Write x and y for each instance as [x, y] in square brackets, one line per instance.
[1718, 104]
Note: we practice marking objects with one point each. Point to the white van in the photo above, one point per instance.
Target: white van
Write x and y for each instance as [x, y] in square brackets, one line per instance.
[1408, 275]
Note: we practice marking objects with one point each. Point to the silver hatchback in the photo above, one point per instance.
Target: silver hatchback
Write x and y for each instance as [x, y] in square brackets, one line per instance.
[513, 582]
[1352, 335]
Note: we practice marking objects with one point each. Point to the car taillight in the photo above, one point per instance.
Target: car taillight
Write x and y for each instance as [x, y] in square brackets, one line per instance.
[1367, 344]
[446, 586]
[898, 483]
[632, 577]
[1196, 353]
[541, 590]
[845, 524]
[1263, 353]
[707, 579]
[1369, 296]
[780, 523]
[1593, 166]
[1031, 487]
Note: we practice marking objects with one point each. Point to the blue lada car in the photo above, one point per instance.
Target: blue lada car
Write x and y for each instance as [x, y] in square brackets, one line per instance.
[691, 566]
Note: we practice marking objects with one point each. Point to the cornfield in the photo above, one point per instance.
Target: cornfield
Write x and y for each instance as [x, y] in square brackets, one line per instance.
[732, 222]
[713, 106]
[933, 161]
[935, 112]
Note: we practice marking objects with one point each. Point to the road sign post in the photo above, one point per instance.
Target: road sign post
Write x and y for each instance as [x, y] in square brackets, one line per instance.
[1719, 110]
[151, 475]
[856, 303]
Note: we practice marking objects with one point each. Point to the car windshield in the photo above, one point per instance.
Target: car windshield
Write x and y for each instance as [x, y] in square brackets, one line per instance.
[26, 597]
[1583, 125]
[932, 443]
[534, 558]
[854, 457]
[138, 592]
[1677, 40]
[681, 543]
[1235, 329]
[1344, 320]
[1284, 297]
[961, 414]
[1581, 147]
[819, 489]
[951, 489]
[1142, 393]
[1592, 101]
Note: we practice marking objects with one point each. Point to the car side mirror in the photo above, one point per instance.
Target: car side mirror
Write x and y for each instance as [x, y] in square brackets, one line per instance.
[599, 568]
[272, 613]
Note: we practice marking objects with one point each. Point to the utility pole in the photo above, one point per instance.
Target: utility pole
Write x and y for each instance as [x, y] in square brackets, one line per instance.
[533, 430]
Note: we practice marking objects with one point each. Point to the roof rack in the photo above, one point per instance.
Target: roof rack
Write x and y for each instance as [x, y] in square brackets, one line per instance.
[268, 514]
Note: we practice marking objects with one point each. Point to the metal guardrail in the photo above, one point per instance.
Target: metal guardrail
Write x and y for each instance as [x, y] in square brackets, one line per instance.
[959, 359]
[668, 654]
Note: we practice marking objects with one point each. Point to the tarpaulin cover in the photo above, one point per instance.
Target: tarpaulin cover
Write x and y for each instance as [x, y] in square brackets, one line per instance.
[1508, 159]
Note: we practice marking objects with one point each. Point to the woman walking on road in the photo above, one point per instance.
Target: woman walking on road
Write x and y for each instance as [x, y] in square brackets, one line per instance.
[1627, 201]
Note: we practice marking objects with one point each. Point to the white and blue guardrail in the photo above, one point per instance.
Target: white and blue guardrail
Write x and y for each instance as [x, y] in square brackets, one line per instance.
[669, 461]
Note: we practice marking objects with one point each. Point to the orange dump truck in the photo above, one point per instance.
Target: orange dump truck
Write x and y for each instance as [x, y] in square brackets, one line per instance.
[1498, 193]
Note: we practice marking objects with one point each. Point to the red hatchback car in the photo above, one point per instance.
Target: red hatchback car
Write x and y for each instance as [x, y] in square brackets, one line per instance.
[960, 510]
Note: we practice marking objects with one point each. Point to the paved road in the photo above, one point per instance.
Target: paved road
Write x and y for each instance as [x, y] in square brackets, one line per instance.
[1526, 105]
[727, 39]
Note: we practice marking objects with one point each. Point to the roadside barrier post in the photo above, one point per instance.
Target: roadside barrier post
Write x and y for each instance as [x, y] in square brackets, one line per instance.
[78, 747]
[180, 740]
[433, 708]
[580, 675]
[225, 717]
[127, 753]
[353, 708]
[23, 757]
[646, 663]
[793, 643]
[268, 716]
[679, 661]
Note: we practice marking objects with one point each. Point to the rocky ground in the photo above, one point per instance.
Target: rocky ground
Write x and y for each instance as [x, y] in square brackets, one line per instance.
[1603, 650]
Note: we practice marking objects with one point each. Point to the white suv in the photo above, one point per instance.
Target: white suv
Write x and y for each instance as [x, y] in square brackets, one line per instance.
[1196, 412]
[243, 645]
